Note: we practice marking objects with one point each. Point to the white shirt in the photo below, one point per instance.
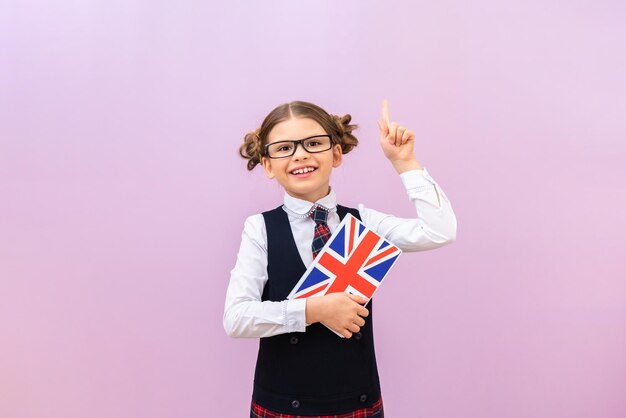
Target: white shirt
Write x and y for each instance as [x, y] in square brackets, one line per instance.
[245, 315]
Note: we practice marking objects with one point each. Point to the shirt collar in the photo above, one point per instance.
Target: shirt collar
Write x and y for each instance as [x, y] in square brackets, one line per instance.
[302, 208]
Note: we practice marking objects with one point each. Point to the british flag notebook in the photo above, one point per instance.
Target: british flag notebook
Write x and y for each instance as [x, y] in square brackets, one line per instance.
[355, 260]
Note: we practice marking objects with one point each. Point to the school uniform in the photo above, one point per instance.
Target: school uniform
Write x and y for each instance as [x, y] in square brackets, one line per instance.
[306, 370]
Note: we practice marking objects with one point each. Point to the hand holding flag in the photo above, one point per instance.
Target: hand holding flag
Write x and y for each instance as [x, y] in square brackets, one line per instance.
[341, 312]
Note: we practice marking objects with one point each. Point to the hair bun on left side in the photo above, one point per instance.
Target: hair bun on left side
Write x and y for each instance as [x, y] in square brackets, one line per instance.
[251, 149]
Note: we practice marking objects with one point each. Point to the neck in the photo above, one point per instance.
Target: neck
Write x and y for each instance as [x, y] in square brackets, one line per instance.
[313, 196]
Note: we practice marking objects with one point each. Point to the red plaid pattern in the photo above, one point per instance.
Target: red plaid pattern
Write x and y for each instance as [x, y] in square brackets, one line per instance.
[376, 411]
[322, 232]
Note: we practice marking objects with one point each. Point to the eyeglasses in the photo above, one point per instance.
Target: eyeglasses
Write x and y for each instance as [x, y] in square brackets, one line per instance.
[312, 144]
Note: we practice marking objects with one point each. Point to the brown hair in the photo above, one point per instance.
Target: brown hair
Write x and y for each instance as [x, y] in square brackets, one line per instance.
[338, 127]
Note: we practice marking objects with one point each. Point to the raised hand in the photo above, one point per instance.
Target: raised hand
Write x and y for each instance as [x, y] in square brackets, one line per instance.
[397, 142]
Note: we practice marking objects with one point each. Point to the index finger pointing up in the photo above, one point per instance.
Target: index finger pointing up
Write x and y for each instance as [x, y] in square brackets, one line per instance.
[386, 111]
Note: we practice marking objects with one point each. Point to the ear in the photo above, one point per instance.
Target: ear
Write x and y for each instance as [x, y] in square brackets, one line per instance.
[337, 155]
[267, 166]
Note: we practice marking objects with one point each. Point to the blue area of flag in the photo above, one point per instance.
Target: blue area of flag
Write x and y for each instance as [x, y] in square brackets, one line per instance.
[361, 229]
[378, 271]
[338, 244]
[383, 245]
[315, 277]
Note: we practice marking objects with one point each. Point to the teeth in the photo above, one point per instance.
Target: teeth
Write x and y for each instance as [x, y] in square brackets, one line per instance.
[303, 170]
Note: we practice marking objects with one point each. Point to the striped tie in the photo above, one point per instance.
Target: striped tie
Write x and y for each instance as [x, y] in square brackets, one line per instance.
[322, 232]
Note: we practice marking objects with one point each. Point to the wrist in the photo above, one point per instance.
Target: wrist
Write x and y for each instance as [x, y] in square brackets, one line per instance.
[313, 310]
[402, 166]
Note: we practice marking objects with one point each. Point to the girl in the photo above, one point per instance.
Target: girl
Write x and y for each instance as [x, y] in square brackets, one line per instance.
[303, 369]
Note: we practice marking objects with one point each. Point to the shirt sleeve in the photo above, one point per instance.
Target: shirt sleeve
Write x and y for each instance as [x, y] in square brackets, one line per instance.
[245, 315]
[434, 224]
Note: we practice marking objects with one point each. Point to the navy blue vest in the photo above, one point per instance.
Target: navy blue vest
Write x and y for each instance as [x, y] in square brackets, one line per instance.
[315, 372]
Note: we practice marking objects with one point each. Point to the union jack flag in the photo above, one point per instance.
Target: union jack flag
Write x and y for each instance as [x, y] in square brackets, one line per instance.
[355, 260]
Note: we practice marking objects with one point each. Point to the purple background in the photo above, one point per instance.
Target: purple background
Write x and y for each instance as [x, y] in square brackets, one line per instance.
[122, 198]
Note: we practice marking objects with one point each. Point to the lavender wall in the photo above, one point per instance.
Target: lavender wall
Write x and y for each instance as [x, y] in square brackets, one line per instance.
[122, 198]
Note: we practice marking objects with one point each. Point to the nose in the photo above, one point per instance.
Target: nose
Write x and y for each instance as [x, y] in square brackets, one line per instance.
[300, 152]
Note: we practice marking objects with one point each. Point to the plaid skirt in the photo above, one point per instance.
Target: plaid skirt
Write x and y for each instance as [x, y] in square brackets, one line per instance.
[376, 411]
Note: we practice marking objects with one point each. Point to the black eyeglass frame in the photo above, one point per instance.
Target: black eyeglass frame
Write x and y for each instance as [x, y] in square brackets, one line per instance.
[297, 142]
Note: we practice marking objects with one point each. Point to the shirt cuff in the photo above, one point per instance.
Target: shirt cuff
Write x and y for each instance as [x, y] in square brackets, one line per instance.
[294, 315]
[420, 185]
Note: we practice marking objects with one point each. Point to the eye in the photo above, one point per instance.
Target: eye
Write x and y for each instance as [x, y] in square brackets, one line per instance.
[315, 142]
[283, 147]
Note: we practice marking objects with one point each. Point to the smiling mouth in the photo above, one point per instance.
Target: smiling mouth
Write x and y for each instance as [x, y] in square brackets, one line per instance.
[303, 170]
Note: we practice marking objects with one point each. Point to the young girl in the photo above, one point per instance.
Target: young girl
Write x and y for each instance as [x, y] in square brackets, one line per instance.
[304, 369]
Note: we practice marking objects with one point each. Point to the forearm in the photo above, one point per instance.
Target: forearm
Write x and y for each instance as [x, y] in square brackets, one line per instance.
[402, 166]
[256, 319]
[434, 223]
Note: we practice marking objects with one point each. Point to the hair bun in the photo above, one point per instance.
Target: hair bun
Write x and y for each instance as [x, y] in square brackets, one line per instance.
[345, 137]
[252, 148]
